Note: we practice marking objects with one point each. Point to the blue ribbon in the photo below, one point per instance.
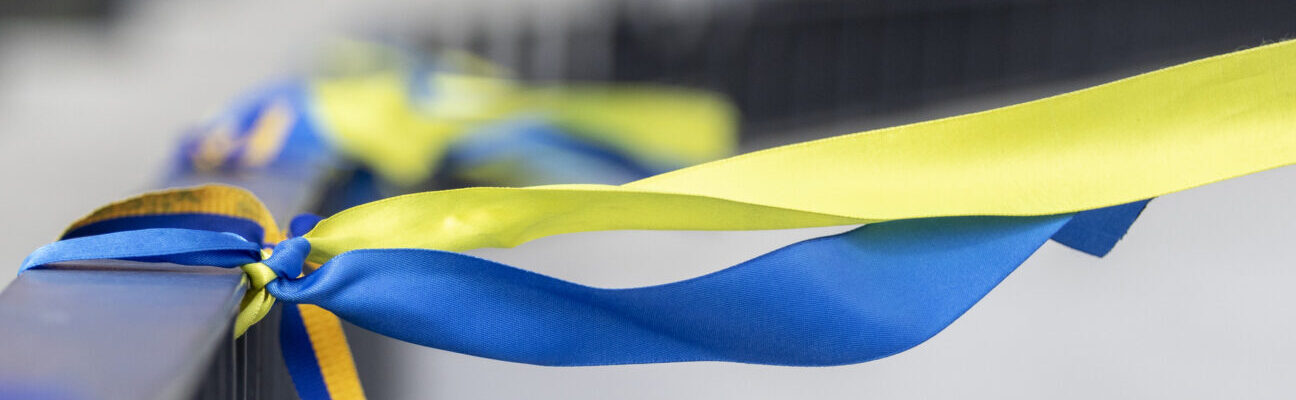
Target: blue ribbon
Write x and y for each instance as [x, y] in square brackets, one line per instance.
[1096, 231]
[179, 246]
[854, 297]
[848, 298]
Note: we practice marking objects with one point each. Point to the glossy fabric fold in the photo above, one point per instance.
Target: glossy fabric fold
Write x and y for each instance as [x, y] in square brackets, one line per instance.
[848, 298]
[1122, 142]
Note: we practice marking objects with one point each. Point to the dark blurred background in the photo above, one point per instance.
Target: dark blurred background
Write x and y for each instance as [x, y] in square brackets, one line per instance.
[94, 93]
[814, 61]
[786, 62]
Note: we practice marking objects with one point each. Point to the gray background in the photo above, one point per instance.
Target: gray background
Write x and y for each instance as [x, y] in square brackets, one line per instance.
[1192, 304]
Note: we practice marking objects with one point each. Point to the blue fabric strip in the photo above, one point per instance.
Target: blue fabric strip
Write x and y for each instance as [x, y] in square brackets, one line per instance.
[294, 341]
[1097, 231]
[537, 153]
[249, 230]
[303, 223]
[305, 146]
[179, 246]
[853, 297]
[299, 356]
[848, 298]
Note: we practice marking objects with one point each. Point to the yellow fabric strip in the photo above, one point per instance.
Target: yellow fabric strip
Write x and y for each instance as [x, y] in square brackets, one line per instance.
[1132, 139]
[332, 352]
[372, 118]
[210, 199]
[668, 126]
[268, 135]
[223, 200]
[257, 302]
[324, 328]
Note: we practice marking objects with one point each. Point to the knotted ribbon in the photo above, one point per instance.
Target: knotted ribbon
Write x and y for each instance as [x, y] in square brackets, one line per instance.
[951, 207]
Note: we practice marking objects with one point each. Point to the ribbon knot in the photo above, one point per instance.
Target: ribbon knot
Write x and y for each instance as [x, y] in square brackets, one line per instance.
[288, 257]
[285, 261]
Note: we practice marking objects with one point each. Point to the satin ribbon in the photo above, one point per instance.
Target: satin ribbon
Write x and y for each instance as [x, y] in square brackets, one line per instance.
[401, 134]
[225, 226]
[967, 199]
[395, 120]
[847, 298]
[1126, 141]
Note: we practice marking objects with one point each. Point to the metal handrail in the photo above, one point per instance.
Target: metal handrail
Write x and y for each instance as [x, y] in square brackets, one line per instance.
[126, 330]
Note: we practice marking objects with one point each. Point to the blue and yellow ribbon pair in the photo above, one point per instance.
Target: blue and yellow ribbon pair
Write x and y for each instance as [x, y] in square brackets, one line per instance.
[406, 122]
[313, 344]
[408, 119]
[949, 208]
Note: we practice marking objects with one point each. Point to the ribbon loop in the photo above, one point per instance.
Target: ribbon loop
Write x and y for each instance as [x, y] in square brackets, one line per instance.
[950, 208]
[179, 246]
[258, 301]
[288, 257]
[285, 261]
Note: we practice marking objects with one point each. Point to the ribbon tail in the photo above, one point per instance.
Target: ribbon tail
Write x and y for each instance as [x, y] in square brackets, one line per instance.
[1096, 231]
[314, 347]
[849, 298]
[317, 355]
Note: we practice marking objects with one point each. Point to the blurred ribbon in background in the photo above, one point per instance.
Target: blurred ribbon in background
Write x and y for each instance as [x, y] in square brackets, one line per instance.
[949, 208]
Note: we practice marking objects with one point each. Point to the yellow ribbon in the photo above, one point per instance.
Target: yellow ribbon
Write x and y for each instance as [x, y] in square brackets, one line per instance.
[258, 301]
[1132, 139]
[1137, 138]
[209, 199]
[372, 118]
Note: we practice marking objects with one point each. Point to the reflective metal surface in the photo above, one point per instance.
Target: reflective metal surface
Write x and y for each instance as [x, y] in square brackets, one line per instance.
[114, 330]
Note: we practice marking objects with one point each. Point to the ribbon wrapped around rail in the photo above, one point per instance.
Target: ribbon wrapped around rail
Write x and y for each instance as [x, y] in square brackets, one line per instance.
[950, 207]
